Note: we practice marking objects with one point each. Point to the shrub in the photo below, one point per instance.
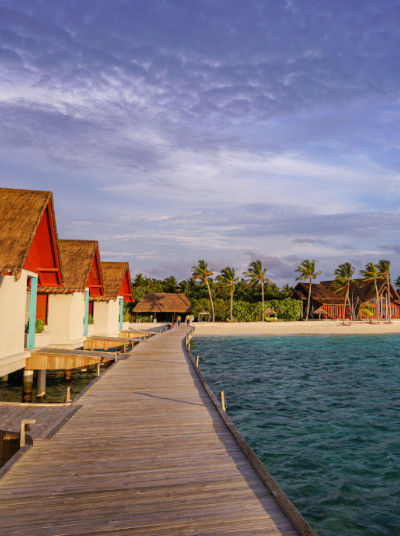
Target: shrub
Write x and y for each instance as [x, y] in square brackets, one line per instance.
[39, 327]
[90, 319]
[286, 309]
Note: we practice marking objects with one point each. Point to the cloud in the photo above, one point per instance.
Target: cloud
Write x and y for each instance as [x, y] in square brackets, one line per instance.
[267, 127]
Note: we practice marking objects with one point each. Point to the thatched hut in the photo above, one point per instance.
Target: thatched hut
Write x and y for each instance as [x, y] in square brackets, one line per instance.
[29, 260]
[164, 306]
[324, 296]
[109, 309]
[71, 305]
[270, 312]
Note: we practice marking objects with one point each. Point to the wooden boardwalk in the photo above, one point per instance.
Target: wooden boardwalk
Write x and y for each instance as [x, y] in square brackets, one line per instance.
[146, 454]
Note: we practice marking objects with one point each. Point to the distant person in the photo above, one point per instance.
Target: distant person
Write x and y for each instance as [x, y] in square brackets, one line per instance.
[178, 320]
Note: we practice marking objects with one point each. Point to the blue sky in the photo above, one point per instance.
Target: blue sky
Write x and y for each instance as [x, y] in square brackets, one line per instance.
[226, 130]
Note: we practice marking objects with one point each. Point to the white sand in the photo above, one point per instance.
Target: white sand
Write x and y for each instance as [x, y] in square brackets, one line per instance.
[313, 327]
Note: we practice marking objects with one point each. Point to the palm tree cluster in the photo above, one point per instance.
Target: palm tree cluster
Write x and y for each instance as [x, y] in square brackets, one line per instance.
[255, 275]
[344, 278]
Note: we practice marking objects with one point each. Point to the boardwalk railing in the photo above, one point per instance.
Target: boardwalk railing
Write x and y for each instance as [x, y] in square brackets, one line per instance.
[295, 517]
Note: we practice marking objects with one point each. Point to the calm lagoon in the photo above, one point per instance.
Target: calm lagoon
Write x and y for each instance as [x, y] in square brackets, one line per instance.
[323, 414]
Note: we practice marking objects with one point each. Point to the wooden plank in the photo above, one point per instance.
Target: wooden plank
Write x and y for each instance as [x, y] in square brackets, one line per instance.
[146, 454]
[64, 359]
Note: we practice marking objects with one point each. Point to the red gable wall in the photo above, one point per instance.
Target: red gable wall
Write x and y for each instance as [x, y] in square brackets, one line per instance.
[126, 288]
[42, 257]
[95, 281]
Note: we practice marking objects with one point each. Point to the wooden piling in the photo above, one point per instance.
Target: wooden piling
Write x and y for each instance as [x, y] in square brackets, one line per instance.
[41, 384]
[27, 386]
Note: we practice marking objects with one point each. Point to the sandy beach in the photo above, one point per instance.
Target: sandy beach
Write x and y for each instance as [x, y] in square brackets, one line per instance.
[318, 327]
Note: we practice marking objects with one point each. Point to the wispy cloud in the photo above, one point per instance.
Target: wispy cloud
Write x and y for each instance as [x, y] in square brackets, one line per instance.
[170, 133]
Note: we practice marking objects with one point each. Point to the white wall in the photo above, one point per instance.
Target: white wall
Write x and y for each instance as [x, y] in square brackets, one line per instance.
[13, 295]
[65, 318]
[106, 317]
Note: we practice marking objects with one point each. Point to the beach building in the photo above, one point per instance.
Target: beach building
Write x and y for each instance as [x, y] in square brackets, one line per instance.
[108, 312]
[328, 304]
[69, 308]
[164, 307]
[29, 261]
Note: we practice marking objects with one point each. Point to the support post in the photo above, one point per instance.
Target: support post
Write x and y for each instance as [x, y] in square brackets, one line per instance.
[98, 369]
[67, 375]
[197, 361]
[68, 394]
[32, 313]
[41, 384]
[27, 386]
[223, 401]
[121, 313]
[86, 317]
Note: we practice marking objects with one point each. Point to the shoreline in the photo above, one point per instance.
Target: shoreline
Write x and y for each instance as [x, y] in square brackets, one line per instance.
[312, 327]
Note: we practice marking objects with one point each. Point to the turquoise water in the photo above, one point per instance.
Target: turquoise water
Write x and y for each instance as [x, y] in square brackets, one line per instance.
[323, 414]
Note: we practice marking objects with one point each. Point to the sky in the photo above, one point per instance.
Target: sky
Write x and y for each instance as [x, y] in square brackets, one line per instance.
[224, 130]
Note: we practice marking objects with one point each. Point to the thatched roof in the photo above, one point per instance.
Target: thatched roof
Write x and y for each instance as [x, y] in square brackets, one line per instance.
[21, 212]
[163, 303]
[324, 292]
[321, 311]
[113, 277]
[77, 259]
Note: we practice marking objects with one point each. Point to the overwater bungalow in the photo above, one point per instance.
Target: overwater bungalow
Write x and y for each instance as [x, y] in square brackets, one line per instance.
[164, 307]
[327, 303]
[108, 312]
[29, 261]
[69, 308]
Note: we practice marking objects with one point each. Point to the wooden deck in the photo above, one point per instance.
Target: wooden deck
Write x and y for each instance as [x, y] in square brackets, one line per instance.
[48, 418]
[146, 454]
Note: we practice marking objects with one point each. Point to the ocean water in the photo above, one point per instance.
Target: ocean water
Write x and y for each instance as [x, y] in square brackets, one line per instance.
[56, 386]
[323, 414]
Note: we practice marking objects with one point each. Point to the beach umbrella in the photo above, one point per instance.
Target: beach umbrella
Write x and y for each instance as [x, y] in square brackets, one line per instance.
[321, 311]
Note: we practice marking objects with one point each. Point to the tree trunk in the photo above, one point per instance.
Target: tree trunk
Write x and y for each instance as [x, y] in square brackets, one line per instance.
[377, 300]
[211, 300]
[346, 299]
[309, 299]
[388, 295]
[231, 307]
[262, 299]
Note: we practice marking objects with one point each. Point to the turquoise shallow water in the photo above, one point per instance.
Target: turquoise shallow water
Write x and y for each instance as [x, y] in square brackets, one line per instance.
[323, 414]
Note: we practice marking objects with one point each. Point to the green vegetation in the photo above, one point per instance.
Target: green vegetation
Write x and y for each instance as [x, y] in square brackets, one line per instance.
[307, 272]
[39, 327]
[226, 297]
[256, 276]
[202, 272]
[229, 279]
[228, 293]
[343, 278]
[90, 319]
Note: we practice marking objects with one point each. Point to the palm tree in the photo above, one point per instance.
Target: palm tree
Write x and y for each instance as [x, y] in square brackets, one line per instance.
[256, 275]
[343, 277]
[286, 290]
[229, 279]
[384, 275]
[202, 272]
[369, 274]
[306, 269]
